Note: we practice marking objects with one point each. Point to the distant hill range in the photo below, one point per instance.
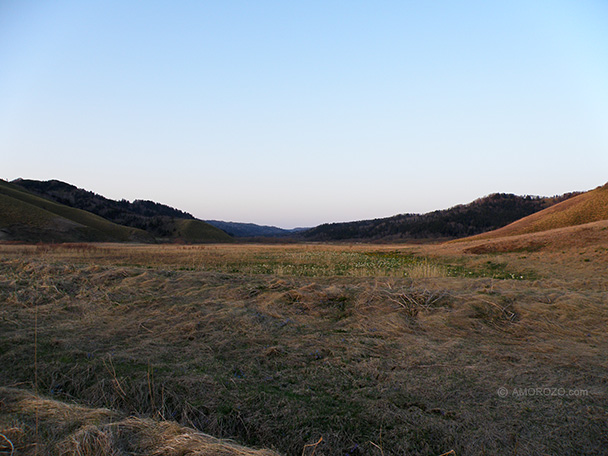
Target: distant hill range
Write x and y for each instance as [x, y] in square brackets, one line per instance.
[482, 215]
[583, 208]
[250, 230]
[54, 211]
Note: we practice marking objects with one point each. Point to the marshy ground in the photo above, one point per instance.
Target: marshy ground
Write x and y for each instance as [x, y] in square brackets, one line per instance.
[324, 349]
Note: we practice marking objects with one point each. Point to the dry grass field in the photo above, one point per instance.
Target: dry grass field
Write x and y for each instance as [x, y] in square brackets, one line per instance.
[475, 348]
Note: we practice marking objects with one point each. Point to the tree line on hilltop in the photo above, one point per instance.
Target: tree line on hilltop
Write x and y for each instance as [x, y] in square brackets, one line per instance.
[482, 215]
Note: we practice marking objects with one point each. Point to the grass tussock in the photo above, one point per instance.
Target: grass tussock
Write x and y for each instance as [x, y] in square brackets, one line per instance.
[354, 357]
[31, 425]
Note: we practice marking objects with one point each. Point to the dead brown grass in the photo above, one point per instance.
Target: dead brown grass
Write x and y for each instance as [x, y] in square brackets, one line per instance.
[32, 425]
[371, 363]
[568, 253]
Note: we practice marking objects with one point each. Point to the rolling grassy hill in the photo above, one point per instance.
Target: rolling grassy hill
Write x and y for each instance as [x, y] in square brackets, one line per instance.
[27, 217]
[197, 231]
[157, 221]
[588, 207]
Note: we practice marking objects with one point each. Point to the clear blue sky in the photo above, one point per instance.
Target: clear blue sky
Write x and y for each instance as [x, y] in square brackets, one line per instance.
[297, 113]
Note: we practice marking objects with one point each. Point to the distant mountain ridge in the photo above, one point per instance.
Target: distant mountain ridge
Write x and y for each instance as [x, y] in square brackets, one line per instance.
[60, 212]
[482, 215]
[238, 229]
[160, 222]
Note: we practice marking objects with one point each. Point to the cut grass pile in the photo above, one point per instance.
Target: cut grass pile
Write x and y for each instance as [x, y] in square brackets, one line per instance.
[32, 425]
[371, 360]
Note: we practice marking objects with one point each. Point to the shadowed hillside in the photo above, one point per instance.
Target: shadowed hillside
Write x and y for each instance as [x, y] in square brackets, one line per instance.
[198, 231]
[27, 217]
[162, 222]
[484, 214]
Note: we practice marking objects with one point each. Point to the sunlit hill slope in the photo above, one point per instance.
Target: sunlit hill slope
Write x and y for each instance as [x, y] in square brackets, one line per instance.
[591, 206]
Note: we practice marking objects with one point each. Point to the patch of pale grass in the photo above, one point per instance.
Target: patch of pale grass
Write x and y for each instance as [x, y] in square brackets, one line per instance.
[426, 270]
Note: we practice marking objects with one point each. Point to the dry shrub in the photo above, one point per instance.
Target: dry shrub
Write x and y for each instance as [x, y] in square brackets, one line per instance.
[139, 436]
[414, 300]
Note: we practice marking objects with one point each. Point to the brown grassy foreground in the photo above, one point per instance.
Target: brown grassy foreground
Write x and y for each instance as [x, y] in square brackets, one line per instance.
[374, 349]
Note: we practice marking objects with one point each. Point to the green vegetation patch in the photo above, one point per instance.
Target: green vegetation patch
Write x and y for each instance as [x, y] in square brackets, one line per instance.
[490, 269]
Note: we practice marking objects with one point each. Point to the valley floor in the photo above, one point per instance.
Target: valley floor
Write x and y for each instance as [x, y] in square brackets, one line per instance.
[324, 349]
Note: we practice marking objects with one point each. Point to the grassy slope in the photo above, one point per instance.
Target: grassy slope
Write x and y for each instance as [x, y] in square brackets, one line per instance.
[584, 237]
[588, 207]
[195, 231]
[159, 221]
[14, 211]
[47, 220]
[22, 221]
